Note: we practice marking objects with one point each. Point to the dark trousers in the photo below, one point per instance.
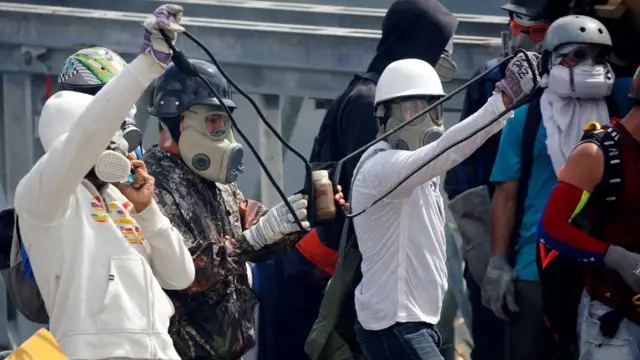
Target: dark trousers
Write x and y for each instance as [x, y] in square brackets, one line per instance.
[528, 338]
[401, 341]
[487, 330]
[290, 298]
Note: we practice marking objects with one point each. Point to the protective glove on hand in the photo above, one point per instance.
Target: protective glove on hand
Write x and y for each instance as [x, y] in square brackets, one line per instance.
[519, 80]
[278, 222]
[626, 263]
[166, 18]
[498, 287]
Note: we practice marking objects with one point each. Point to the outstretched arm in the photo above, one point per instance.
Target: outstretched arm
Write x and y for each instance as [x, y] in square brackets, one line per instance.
[219, 259]
[44, 193]
[576, 183]
[388, 168]
[250, 212]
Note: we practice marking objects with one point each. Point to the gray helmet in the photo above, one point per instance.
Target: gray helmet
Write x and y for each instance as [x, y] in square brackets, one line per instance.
[575, 29]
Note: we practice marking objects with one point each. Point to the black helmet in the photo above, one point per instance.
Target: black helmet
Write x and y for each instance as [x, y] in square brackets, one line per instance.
[174, 92]
[539, 9]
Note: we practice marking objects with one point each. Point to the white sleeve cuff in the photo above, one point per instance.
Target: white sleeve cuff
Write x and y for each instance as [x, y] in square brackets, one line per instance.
[151, 219]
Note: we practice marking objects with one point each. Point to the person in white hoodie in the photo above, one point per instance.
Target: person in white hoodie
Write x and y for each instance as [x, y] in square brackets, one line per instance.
[402, 238]
[100, 249]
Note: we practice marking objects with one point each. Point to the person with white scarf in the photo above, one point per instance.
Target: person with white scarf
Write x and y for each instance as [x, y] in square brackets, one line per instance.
[576, 82]
[576, 85]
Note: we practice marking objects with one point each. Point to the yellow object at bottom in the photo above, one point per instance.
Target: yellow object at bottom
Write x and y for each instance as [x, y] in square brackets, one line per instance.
[42, 345]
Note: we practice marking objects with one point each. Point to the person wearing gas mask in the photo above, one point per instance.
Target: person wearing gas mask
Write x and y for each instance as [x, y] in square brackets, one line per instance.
[421, 29]
[349, 124]
[196, 163]
[100, 248]
[468, 185]
[87, 71]
[577, 87]
[402, 240]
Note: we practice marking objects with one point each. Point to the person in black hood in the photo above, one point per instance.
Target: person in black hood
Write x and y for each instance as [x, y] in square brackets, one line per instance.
[413, 29]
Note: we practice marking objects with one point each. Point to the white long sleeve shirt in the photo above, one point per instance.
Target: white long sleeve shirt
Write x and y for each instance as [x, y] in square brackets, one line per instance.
[402, 238]
[100, 266]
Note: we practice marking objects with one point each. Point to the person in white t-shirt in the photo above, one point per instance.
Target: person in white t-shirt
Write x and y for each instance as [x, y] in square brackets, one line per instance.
[402, 238]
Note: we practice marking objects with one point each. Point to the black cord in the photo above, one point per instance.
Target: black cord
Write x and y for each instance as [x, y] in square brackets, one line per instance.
[437, 155]
[307, 166]
[517, 104]
[184, 65]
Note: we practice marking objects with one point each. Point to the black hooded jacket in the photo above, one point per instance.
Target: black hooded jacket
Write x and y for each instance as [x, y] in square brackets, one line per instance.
[417, 29]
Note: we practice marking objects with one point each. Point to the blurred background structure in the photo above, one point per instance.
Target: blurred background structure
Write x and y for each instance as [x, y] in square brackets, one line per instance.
[293, 56]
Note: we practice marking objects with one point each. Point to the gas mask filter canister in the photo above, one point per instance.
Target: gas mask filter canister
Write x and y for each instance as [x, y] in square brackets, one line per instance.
[130, 131]
[113, 166]
[207, 144]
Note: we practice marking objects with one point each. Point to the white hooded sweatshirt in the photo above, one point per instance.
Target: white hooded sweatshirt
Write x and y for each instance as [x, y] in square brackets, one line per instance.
[100, 266]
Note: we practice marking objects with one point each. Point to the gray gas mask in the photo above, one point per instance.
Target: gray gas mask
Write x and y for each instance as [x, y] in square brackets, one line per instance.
[207, 144]
[522, 41]
[423, 131]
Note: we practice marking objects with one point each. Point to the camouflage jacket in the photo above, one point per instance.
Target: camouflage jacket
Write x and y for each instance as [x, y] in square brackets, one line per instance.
[214, 316]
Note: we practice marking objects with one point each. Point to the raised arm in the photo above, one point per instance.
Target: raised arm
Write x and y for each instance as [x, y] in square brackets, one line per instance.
[250, 213]
[389, 167]
[44, 193]
[392, 166]
[82, 126]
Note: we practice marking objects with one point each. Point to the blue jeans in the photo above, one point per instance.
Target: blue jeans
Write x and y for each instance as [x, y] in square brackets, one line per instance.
[625, 345]
[401, 341]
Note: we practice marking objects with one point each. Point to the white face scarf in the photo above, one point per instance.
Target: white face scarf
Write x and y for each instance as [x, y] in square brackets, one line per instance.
[565, 112]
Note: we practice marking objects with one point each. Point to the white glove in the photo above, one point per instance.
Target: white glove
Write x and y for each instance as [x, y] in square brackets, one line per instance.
[518, 79]
[277, 223]
[498, 287]
[166, 18]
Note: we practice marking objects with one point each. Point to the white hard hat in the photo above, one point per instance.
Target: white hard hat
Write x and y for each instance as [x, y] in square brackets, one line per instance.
[408, 78]
[58, 115]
